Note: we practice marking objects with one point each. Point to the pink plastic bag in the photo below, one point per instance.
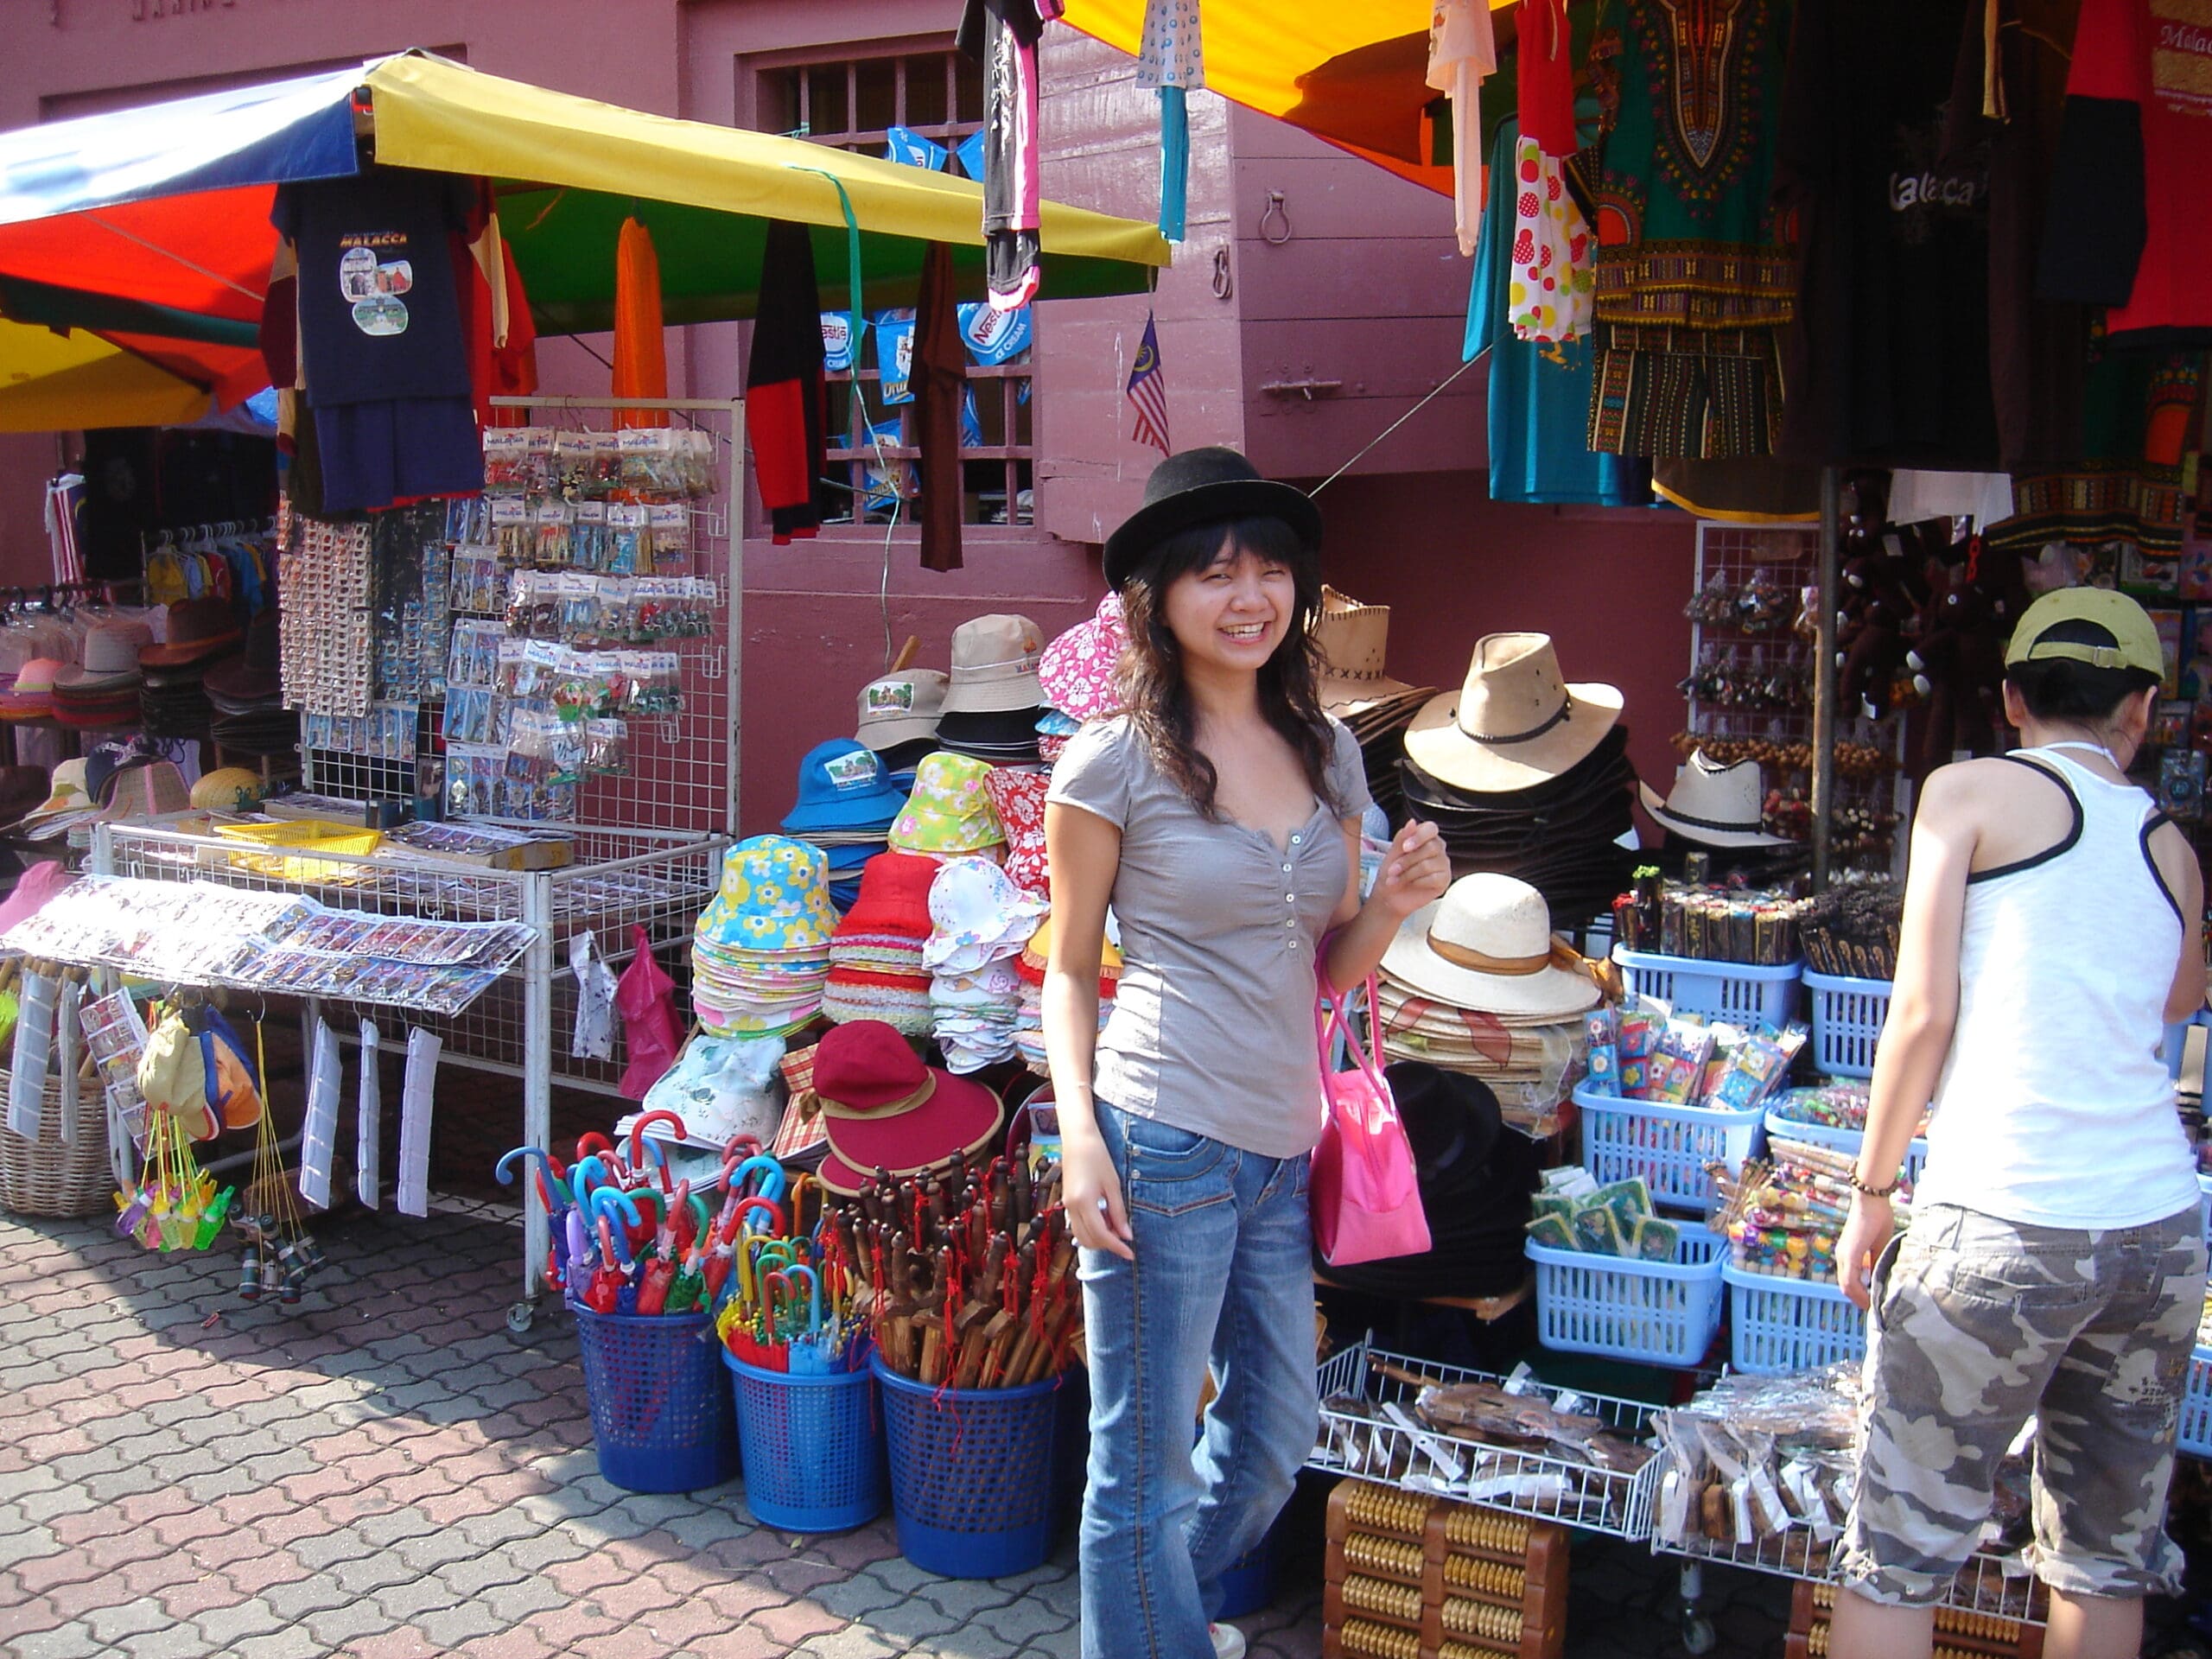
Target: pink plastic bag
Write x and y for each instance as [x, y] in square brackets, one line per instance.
[1365, 1197]
[645, 997]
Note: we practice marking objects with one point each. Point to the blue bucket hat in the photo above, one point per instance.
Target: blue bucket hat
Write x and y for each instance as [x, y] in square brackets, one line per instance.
[841, 786]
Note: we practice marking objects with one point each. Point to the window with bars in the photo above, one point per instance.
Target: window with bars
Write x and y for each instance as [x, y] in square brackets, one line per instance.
[851, 103]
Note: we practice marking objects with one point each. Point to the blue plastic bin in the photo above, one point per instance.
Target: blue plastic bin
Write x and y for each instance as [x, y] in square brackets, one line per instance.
[661, 1413]
[1778, 1324]
[971, 1486]
[1847, 1141]
[1847, 1017]
[813, 1446]
[2196, 1439]
[1740, 993]
[1656, 1312]
[1668, 1146]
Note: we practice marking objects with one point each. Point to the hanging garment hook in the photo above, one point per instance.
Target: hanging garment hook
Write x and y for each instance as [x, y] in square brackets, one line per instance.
[1275, 209]
[1224, 279]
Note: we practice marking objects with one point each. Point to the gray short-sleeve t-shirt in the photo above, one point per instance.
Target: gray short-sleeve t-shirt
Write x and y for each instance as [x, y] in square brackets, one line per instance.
[1212, 1024]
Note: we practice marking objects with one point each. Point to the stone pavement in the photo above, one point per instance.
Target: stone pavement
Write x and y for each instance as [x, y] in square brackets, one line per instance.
[384, 1470]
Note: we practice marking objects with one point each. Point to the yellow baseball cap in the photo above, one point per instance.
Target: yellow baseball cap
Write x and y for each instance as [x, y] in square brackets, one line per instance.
[2135, 636]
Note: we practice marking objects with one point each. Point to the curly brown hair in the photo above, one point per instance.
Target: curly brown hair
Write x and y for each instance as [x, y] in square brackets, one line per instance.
[1152, 688]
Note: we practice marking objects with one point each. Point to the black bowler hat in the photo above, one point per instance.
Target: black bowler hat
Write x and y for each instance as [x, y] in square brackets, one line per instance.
[1203, 486]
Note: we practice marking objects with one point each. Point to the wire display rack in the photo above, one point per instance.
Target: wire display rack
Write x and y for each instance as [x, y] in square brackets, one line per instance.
[1395, 1450]
[683, 768]
[1771, 670]
[623, 880]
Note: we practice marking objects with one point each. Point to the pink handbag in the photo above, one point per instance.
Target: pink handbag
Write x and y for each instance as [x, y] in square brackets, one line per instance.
[1365, 1196]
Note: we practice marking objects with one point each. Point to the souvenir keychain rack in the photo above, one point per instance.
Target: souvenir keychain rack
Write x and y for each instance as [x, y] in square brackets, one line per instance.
[1732, 557]
[683, 768]
[658, 878]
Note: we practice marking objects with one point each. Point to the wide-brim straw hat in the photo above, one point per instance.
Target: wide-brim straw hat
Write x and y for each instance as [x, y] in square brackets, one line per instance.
[1487, 945]
[1713, 806]
[1515, 723]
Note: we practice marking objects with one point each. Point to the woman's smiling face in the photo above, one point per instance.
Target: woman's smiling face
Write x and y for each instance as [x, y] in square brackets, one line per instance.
[1232, 613]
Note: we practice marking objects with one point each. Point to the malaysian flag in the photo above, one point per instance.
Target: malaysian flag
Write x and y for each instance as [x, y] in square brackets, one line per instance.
[1148, 393]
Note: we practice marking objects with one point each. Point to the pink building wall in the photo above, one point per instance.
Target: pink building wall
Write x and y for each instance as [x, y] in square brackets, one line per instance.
[1367, 289]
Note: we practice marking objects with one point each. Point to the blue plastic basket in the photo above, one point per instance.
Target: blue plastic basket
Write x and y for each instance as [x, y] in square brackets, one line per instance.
[1848, 1016]
[971, 1470]
[813, 1447]
[660, 1412]
[1847, 1141]
[1668, 1146]
[1659, 1312]
[2195, 1441]
[1740, 993]
[1778, 1324]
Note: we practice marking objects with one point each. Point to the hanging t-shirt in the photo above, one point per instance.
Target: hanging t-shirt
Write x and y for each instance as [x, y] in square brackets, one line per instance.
[2126, 226]
[1890, 357]
[1539, 395]
[378, 315]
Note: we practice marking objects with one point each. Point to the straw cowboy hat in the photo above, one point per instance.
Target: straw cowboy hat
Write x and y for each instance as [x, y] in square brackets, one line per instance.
[1713, 806]
[1355, 642]
[1515, 723]
[1487, 945]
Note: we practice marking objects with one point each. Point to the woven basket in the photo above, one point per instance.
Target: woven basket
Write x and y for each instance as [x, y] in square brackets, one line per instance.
[42, 1177]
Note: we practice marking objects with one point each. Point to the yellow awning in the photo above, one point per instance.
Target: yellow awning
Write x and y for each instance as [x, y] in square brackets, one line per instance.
[433, 113]
[1350, 71]
[50, 381]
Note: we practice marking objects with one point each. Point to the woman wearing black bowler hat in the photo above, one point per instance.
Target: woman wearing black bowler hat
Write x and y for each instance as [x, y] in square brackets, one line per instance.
[1220, 817]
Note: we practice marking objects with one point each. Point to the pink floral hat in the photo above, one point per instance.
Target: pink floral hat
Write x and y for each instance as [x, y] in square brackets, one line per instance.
[1081, 670]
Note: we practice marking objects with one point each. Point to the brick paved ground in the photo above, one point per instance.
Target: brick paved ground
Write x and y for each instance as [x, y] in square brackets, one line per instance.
[385, 1472]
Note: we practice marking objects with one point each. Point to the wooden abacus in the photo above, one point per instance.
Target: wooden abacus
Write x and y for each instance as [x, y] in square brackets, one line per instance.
[1414, 1577]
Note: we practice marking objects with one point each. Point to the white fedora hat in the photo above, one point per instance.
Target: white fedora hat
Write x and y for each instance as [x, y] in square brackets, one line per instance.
[1714, 805]
[1487, 945]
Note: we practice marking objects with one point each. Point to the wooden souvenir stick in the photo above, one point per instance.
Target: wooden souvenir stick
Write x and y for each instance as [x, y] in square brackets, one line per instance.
[931, 1370]
[907, 652]
[1007, 1325]
[1049, 1352]
[975, 1316]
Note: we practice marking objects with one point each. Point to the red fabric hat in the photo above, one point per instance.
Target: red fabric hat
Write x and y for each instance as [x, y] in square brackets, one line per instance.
[894, 897]
[885, 1109]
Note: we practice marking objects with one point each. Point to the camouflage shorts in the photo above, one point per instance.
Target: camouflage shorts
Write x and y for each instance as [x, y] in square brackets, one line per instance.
[1978, 1323]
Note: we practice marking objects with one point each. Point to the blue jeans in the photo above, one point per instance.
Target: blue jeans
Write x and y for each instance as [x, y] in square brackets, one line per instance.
[1223, 1275]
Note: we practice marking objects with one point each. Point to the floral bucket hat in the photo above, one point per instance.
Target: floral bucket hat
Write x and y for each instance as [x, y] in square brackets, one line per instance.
[978, 914]
[1018, 797]
[949, 810]
[775, 896]
[1081, 670]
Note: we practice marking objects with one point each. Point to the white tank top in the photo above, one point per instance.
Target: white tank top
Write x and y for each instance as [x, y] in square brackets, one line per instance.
[2055, 1109]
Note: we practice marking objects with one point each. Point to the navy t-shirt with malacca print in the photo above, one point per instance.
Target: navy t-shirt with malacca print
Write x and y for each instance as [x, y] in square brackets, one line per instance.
[379, 316]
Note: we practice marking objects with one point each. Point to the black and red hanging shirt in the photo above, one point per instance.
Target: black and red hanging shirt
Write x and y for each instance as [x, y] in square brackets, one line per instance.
[2126, 227]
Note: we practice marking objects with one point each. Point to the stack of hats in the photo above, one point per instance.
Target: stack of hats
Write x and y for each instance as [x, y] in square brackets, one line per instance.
[247, 695]
[949, 812]
[1527, 776]
[174, 701]
[979, 920]
[1476, 983]
[1354, 642]
[993, 701]
[898, 715]
[101, 693]
[1080, 676]
[69, 802]
[1036, 956]
[876, 958]
[847, 804]
[30, 695]
[1722, 809]
[761, 953]
[884, 1110]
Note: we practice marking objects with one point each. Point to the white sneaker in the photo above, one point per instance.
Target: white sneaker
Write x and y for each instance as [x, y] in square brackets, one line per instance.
[1228, 1641]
